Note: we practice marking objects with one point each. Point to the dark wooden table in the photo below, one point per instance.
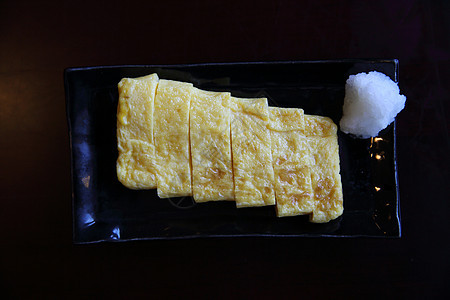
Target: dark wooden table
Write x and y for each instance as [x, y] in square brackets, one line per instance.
[39, 39]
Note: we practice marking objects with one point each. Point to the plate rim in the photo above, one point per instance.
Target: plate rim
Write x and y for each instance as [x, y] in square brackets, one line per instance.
[276, 62]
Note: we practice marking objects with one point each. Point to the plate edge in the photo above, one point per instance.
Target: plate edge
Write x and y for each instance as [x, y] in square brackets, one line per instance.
[287, 62]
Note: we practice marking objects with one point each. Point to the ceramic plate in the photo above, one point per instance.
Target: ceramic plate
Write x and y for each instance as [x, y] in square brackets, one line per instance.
[104, 210]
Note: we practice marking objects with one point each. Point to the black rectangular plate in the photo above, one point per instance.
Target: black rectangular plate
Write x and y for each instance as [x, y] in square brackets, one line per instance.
[104, 210]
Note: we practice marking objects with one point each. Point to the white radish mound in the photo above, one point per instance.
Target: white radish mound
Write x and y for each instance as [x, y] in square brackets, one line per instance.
[372, 100]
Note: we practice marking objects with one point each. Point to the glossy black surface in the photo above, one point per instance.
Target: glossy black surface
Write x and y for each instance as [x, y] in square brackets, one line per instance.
[104, 210]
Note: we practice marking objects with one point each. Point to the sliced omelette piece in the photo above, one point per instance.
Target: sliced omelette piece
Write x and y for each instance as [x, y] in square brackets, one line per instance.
[291, 162]
[252, 156]
[136, 164]
[212, 171]
[325, 169]
[319, 126]
[171, 119]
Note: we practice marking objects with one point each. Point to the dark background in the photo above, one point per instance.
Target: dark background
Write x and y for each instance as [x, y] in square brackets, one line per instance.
[39, 39]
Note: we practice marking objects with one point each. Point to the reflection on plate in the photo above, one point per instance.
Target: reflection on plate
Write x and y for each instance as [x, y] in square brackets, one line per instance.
[104, 210]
